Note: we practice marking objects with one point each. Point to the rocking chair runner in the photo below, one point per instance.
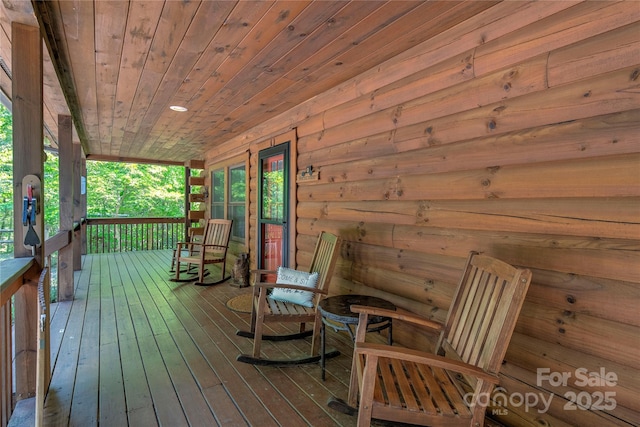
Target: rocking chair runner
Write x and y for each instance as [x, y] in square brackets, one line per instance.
[266, 310]
[452, 386]
[211, 250]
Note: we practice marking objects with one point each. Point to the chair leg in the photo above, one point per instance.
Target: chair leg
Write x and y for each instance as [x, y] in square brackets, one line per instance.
[201, 269]
[352, 400]
[259, 322]
[173, 260]
[177, 269]
[257, 336]
[366, 399]
[315, 341]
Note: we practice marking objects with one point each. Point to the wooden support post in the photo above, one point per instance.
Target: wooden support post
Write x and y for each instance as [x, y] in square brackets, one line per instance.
[66, 160]
[77, 205]
[26, 334]
[187, 204]
[28, 149]
[28, 142]
[83, 199]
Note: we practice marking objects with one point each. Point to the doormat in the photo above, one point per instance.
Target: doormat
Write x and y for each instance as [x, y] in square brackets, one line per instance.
[241, 303]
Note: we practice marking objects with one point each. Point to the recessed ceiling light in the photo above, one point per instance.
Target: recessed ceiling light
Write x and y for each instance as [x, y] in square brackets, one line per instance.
[178, 108]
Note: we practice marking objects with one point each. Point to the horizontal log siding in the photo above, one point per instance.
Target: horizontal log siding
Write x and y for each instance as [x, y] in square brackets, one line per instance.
[515, 133]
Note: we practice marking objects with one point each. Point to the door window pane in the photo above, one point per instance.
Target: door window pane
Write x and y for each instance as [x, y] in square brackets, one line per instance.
[273, 188]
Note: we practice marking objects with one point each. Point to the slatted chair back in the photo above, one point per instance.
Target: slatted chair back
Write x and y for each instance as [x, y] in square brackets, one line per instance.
[323, 261]
[216, 237]
[484, 312]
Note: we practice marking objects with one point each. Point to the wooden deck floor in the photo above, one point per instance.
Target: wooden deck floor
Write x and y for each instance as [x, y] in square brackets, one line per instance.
[135, 349]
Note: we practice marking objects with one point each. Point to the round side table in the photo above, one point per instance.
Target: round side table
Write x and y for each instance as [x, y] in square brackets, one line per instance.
[336, 313]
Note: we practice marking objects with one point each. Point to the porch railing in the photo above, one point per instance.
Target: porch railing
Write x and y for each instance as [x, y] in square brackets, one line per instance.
[133, 234]
[24, 324]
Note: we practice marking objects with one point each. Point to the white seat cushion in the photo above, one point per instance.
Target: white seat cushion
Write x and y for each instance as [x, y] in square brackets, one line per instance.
[289, 276]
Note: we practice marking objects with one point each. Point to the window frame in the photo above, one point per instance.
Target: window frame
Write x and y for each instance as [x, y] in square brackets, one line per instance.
[227, 204]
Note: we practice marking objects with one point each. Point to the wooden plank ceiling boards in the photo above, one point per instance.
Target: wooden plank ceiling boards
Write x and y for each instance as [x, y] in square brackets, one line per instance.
[233, 65]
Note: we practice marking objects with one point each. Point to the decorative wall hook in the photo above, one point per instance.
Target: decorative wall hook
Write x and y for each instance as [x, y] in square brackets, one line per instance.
[308, 174]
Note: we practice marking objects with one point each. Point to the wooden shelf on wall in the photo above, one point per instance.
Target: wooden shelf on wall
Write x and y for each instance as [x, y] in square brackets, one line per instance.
[195, 164]
[196, 198]
[196, 215]
[196, 212]
[196, 180]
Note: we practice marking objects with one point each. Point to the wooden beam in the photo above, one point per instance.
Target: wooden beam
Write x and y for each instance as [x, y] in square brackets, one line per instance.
[28, 146]
[11, 272]
[27, 122]
[26, 334]
[45, 13]
[78, 207]
[65, 256]
[194, 164]
[121, 159]
[58, 242]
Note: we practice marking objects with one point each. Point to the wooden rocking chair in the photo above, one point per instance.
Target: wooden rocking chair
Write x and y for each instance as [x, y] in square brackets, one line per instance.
[451, 387]
[211, 250]
[266, 309]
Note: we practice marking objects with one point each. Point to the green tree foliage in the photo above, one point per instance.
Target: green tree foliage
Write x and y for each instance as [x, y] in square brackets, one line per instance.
[51, 195]
[134, 190]
[6, 180]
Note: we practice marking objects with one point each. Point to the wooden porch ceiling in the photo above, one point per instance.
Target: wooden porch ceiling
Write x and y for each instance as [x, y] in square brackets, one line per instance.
[232, 64]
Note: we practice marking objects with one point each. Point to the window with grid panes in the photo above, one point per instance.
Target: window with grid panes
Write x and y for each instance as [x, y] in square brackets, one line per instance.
[228, 197]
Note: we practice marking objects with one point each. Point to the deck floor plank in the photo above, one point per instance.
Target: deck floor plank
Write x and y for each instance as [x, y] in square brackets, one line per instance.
[61, 389]
[136, 349]
[139, 405]
[150, 330]
[84, 405]
[112, 403]
[185, 366]
[242, 393]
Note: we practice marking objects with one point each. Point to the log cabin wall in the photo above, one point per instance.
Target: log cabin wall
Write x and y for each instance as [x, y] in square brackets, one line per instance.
[516, 133]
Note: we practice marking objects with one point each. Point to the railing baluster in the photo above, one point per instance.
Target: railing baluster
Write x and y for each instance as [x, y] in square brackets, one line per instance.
[131, 234]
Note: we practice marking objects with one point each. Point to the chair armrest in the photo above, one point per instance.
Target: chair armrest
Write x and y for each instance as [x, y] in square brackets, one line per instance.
[416, 356]
[260, 271]
[208, 245]
[181, 245]
[404, 316]
[283, 286]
